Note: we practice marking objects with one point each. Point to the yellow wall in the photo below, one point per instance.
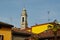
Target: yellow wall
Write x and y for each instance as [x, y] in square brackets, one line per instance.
[6, 32]
[39, 28]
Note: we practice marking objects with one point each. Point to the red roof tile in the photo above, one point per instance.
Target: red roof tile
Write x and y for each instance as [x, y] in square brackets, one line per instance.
[48, 33]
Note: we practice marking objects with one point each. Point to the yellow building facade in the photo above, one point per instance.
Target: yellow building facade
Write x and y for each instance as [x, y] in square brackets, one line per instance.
[36, 29]
[5, 31]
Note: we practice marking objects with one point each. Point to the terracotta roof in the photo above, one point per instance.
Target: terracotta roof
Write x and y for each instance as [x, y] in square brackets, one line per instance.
[5, 24]
[48, 33]
[26, 29]
[21, 31]
[22, 34]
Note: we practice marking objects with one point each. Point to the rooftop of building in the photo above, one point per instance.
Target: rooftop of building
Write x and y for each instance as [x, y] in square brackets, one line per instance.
[5, 24]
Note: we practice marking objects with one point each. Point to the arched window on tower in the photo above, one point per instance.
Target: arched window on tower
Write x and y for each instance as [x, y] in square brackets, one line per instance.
[22, 19]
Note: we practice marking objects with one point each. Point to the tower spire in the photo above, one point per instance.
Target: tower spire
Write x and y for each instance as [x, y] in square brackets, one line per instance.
[24, 19]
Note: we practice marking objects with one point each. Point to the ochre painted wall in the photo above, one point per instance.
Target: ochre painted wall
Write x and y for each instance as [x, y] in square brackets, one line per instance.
[40, 28]
[6, 32]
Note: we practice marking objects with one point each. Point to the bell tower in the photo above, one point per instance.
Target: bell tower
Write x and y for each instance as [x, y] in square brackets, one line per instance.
[24, 19]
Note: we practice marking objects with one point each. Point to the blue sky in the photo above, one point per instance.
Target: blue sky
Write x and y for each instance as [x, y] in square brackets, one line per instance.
[37, 10]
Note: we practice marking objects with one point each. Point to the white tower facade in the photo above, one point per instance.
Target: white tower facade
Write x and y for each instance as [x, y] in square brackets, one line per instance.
[24, 23]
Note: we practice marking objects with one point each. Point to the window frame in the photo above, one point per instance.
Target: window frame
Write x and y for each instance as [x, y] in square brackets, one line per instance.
[1, 37]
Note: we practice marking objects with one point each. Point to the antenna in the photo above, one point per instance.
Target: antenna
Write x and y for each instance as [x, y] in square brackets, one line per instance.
[48, 16]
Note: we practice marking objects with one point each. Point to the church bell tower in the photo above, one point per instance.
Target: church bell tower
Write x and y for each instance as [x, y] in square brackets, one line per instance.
[24, 19]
